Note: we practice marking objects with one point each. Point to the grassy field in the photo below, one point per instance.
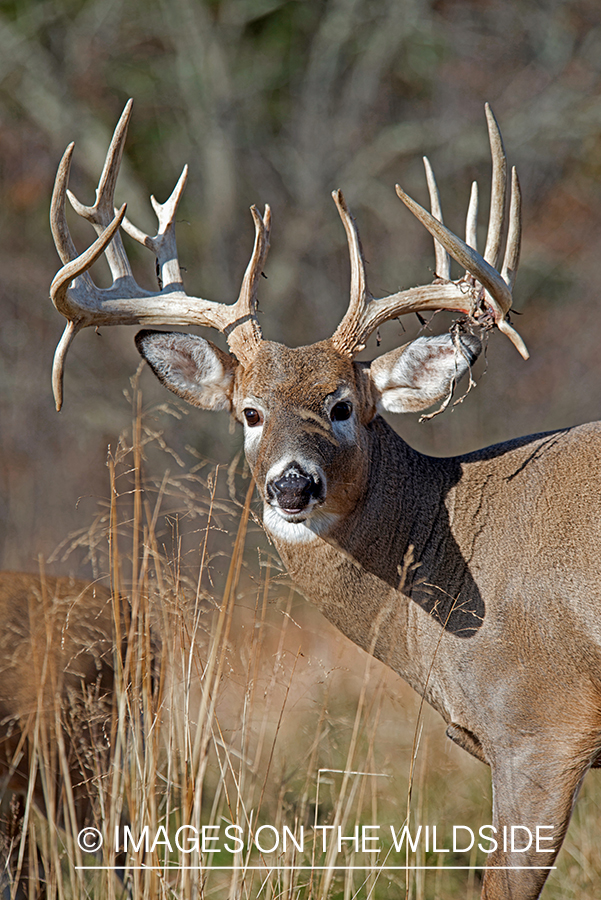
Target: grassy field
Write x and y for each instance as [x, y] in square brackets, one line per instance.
[236, 706]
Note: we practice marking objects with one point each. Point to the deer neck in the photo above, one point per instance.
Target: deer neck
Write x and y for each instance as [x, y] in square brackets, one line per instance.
[382, 570]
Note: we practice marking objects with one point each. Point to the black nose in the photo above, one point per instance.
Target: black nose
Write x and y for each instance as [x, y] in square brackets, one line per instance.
[294, 490]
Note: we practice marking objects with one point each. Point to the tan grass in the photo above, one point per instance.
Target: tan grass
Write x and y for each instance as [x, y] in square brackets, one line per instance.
[234, 703]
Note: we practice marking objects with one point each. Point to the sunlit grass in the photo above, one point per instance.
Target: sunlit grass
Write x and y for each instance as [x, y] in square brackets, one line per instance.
[235, 704]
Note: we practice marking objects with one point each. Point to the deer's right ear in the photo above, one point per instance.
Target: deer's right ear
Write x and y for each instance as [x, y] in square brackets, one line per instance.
[190, 366]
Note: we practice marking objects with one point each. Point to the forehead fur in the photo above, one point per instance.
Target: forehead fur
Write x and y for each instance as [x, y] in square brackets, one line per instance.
[303, 375]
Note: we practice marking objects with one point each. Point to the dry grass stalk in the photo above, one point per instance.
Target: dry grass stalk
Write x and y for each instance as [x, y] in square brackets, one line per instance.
[202, 727]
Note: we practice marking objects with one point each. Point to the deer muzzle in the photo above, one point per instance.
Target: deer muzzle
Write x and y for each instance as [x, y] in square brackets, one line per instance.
[295, 491]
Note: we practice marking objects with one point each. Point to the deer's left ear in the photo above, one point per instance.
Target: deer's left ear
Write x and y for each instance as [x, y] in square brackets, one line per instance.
[413, 377]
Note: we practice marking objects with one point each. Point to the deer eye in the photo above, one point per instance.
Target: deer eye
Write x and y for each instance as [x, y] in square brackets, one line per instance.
[253, 417]
[341, 411]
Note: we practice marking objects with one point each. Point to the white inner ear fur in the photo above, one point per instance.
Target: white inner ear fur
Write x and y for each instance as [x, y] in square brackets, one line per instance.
[190, 366]
[413, 377]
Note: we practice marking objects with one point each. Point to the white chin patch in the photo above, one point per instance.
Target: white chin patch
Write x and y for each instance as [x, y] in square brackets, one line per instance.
[316, 524]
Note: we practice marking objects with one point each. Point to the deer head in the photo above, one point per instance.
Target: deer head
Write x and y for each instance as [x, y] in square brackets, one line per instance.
[304, 410]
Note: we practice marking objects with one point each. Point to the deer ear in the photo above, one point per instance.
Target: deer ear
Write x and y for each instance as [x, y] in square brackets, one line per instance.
[413, 377]
[190, 366]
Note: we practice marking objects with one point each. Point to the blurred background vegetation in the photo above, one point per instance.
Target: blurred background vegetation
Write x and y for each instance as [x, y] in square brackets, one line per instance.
[283, 101]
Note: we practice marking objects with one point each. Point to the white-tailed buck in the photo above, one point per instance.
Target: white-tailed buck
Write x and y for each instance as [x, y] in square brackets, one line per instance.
[477, 578]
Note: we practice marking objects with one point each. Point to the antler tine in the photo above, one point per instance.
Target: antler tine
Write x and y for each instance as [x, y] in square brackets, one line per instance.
[58, 363]
[514, 232]
[101, 213]
[58, 219]
[498, 190]
[471, 220]
[344, 336]
[163, 245]
[512, 256]
[244, 332]
[443, 260]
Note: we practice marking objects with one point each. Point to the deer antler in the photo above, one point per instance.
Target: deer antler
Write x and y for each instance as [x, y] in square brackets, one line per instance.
[483, 293]
[125, 303]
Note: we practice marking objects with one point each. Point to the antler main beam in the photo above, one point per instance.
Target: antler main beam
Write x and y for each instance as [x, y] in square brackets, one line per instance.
[483, 293]
[125, 303]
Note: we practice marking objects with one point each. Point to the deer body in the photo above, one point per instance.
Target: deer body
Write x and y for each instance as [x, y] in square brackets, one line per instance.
[477, 578]
[511, 658]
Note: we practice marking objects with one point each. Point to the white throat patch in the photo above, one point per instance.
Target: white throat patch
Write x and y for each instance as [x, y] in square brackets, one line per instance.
[316, 524]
